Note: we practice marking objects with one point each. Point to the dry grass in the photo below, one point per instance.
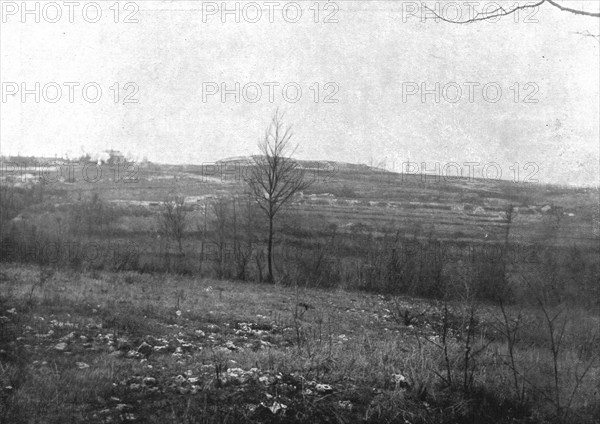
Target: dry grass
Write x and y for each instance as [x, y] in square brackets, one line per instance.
[286, 341]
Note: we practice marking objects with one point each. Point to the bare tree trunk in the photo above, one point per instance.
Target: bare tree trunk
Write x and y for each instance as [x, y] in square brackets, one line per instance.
[270, 250]
[259, 266]
[203, 238]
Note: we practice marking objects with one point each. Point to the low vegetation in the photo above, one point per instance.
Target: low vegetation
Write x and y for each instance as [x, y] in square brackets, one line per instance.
[127, 347]
[471, 301]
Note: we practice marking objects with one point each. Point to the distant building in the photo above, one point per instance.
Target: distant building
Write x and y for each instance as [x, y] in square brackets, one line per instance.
[114, 157]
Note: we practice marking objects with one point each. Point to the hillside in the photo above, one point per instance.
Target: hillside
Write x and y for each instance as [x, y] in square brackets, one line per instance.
[398, 298]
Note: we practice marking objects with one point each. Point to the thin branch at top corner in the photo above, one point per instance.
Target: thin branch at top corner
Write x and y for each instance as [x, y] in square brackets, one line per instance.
[483, 16]
[570, 10]
[500, 12]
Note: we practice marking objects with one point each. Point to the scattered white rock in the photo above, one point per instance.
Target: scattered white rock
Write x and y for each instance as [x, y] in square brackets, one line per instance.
[149, 381]
[61, 346]
[265, 379]
[400, 381]
[277, 407]
[68, 337]
[324, 388]
[345, 404]
[145, 349]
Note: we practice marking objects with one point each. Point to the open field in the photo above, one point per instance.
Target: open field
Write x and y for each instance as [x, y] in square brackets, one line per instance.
[105, 347]
[401, 299]
[350, 212]
[467, 208]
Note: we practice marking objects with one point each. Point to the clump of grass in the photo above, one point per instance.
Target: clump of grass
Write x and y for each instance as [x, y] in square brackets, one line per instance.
[130, 321]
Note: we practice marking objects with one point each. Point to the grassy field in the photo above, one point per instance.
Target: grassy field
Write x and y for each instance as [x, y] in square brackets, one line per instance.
[103, 347]
[335, 234]
[401, 299]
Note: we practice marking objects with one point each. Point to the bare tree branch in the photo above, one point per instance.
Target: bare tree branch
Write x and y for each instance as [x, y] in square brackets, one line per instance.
[496, 13]
[586, 33]
[575, 11]
[172, 220]
[500, 12]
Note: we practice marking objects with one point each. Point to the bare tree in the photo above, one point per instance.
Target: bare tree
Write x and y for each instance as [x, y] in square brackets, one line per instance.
[221, 224]
[245, 228]
[172, 220]
[275, 177]
[203, 231]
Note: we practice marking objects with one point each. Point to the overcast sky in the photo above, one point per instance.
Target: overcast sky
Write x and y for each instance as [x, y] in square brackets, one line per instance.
[374, 61]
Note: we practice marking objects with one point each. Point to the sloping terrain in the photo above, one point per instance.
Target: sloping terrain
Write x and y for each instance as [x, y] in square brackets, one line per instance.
[112, 348]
